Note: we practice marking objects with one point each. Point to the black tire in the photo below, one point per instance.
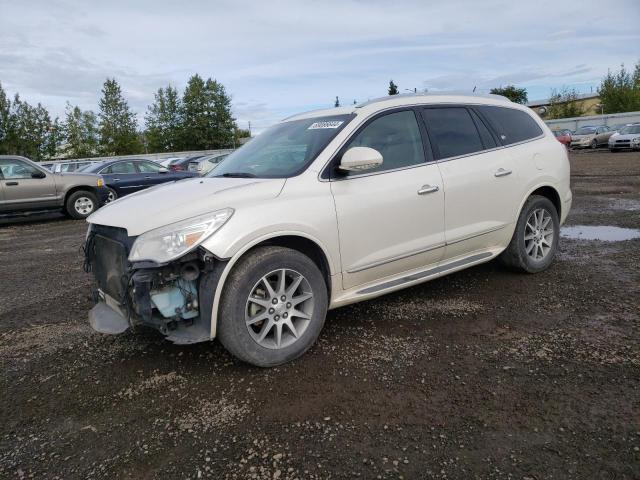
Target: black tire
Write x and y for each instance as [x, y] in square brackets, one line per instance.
[113, 195]
[233, 332]
[70, 204]
[613, 150]
[594, 144]
[515, 256]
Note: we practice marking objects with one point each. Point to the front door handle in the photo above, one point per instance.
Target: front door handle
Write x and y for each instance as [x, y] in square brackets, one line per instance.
[502, 173]
[428, 189]
[12, 184]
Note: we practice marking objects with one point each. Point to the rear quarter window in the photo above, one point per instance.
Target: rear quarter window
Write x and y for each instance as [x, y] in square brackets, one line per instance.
[511, 125]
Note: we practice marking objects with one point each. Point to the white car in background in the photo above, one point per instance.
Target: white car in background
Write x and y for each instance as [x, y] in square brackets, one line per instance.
[628, 137]
[325, 209]
[204, 165]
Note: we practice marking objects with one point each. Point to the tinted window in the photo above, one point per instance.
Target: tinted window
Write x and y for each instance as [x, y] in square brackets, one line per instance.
[453, 131]
[512, 125]
[487, 139]
[15, 169]
[121, 167]
[148, 167]
[396, 136]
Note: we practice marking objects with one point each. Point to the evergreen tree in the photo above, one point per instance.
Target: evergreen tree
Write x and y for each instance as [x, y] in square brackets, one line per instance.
[5, 109]
[393, 88]
[224, 124]
[207, 121]
[620, 92]
[517, 95]
[29, 131]
[118, 135]
[80, 133]
[337, 104]
[163, 122]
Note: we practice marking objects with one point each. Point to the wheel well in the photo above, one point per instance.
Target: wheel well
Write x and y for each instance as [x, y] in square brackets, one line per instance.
[73, 190]
[552, 195]
[305, 246]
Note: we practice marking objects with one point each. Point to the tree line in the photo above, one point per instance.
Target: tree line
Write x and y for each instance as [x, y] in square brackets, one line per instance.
[199, 119]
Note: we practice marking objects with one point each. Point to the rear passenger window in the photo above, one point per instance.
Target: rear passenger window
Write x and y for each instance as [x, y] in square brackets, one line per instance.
[396, 136]
[453, 131]
[512, 125]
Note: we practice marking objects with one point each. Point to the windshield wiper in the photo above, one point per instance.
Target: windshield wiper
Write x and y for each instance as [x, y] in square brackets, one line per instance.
[237, 175]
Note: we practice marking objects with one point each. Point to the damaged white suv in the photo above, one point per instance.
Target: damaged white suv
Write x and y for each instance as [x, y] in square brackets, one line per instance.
[325, 209]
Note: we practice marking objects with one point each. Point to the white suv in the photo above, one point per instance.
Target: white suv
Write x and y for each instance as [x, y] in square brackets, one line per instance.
[329, 208]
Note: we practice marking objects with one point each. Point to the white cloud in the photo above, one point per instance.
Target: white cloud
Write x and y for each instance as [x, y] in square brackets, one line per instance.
[283, 56]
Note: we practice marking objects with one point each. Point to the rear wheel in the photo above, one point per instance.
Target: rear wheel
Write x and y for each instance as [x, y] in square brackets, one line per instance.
[111, 196]
[81, 204]
[535, 240]
[273, 306]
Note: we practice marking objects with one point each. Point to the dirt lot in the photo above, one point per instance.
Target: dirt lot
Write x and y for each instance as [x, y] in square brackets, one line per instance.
[482, 374]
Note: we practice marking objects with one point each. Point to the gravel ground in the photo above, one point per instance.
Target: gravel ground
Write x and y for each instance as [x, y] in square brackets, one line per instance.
[481, 374]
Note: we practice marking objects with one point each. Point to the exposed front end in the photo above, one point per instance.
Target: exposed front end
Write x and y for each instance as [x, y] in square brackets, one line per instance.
[174, 297]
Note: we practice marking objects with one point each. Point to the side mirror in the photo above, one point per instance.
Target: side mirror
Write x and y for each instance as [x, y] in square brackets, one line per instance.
[38, 174]
[163, 170]
[357, 159]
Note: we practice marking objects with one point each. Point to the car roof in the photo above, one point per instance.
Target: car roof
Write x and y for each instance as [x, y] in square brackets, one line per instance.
[391, 101]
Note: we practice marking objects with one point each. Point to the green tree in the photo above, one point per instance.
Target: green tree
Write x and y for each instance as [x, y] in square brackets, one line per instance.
[224, 123]
[5, 109]
[393, 88]
[29, 131]
[163, 122]
[79, 132]
[517, 95]
[565, 103]
[620, 91]
[337, 102]
[118, 133]
[207, 121]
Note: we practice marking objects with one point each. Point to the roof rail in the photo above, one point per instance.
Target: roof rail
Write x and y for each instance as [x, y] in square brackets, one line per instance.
[433, 94]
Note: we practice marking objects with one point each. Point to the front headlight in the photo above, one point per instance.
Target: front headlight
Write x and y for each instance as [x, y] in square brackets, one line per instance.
[167, 243]
[636, 140]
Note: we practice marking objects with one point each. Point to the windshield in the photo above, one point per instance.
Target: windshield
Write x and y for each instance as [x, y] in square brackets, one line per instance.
[283, 150]
[630, 129]
[586, 131]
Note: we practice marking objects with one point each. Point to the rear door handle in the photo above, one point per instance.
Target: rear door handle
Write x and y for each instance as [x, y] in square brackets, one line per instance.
[502, 173]
[428, 189]
[12, 184]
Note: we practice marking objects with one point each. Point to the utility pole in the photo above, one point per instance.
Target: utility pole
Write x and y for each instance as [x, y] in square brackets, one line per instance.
[249, 128]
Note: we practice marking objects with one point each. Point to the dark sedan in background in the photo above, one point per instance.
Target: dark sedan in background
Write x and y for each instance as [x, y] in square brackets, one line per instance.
[127, 176]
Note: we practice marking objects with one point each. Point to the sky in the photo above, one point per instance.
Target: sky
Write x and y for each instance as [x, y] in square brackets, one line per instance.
[280, 57]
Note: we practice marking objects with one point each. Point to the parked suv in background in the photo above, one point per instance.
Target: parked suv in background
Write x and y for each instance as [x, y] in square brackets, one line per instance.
[26, 187]
[325, 209]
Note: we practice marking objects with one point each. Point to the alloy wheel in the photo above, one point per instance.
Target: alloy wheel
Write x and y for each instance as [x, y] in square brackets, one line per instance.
[539, 234]
[279, 308]
[110, 197]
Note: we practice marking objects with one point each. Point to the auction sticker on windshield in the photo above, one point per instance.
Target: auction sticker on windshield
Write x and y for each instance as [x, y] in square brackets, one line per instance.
[330, 124]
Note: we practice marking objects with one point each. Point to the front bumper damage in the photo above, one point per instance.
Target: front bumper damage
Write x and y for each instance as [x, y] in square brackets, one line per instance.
[174, 298]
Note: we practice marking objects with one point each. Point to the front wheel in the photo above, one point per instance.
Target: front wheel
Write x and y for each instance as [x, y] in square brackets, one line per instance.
[535, 240]
[111, 196]
[81, 204]
[273, 306]
[594, 144]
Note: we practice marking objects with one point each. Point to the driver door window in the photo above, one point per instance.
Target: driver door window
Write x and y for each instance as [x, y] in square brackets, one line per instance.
[397, 137]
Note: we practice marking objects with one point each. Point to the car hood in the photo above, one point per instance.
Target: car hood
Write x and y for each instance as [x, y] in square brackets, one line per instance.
[172, 202]
[582, 137]
[626, 136]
